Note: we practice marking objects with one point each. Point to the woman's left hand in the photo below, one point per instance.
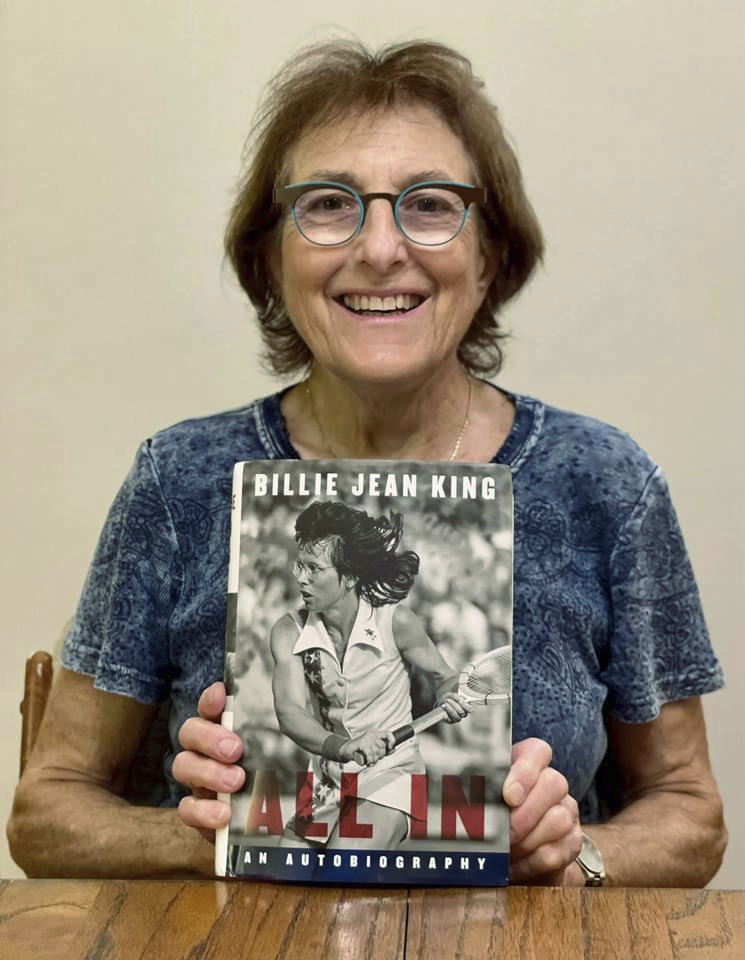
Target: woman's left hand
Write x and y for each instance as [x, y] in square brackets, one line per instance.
[455, 707]
[545, 834]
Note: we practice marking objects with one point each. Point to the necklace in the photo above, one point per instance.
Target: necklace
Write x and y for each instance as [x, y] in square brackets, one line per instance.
[453, 452]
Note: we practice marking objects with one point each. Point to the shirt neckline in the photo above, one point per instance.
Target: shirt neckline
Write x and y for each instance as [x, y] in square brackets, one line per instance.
[526, 429]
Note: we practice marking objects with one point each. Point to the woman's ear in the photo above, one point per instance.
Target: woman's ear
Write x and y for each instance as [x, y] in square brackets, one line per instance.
[490, 261]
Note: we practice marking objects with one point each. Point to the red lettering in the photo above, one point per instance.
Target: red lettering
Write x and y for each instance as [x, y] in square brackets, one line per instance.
[264, 808]
[456, 804]
[419, 802]
[305, 825]
[348, 823]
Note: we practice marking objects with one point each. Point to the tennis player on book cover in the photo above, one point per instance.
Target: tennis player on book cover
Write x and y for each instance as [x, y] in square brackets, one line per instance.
[349, 651]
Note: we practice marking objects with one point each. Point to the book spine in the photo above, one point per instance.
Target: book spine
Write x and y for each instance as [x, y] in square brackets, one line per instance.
[222, 835]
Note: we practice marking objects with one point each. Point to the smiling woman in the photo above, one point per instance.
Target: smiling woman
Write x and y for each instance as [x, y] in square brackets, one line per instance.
[379, 229]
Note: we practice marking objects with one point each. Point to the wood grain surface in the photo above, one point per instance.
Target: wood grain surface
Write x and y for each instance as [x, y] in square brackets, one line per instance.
[140, 920]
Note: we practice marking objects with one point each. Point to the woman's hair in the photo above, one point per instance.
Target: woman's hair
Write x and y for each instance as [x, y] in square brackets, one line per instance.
[361, 547]
[342, 78]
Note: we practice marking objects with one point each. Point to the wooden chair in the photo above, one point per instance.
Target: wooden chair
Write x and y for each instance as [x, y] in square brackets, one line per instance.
[37, 684]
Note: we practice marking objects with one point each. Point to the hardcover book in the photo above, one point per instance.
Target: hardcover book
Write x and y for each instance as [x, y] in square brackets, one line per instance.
[368, 668]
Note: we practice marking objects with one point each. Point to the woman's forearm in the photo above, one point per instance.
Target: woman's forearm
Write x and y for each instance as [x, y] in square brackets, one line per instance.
[671, 830]
[663, 839]
[71, 829]
[302, 728]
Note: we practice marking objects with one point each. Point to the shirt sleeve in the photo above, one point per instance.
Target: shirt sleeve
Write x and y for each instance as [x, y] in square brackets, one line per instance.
[120, 634]
[659, 643]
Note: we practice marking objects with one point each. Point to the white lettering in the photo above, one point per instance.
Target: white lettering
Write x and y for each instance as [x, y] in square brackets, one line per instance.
[391, 486]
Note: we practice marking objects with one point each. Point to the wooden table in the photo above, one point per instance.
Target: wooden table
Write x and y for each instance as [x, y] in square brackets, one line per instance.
[134, 920]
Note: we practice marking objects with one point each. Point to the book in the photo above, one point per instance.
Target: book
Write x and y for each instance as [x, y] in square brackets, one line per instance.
[368, 671]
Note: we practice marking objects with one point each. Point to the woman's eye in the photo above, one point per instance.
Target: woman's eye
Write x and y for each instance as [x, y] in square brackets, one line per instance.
[330, 202]
[427, 203]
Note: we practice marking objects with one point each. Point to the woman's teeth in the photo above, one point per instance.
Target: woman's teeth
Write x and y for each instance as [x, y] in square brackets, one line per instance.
[361, 302]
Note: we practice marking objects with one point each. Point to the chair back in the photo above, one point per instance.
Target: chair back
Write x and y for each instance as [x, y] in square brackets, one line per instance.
[37, 685]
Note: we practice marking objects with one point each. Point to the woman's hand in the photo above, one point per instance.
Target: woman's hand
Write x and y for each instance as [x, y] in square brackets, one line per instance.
[369, 748]
[455, 707]
[207, 764]
[545, 835]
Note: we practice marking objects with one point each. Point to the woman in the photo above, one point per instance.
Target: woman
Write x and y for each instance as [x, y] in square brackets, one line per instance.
[379, 230]
[351, 581]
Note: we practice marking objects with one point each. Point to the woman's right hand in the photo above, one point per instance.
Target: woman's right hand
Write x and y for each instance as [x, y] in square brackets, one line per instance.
[207, 764]
[367, 749]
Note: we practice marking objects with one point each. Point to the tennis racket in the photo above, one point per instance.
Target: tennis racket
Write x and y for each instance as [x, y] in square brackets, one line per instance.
[485, 681]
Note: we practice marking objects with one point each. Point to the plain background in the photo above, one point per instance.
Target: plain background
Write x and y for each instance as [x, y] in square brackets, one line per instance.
[122, 130]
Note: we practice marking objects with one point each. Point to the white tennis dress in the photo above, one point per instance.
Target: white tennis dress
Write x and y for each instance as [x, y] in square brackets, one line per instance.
[369, 690]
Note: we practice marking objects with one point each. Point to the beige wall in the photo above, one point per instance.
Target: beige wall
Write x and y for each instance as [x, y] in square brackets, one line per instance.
[122, 130]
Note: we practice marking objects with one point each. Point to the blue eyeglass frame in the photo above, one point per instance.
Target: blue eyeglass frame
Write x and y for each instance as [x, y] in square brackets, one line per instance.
[468, 193]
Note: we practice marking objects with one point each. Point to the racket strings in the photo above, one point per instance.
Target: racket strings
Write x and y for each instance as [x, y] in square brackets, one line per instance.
[491, 675]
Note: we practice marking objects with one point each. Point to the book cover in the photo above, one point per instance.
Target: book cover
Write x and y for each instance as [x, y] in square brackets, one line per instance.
[368, 671]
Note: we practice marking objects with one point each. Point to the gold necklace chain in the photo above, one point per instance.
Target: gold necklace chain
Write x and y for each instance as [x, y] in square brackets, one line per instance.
[453, 453]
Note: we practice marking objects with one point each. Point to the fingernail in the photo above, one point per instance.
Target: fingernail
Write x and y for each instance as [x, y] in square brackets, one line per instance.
[514, 793]
[228, 748]
[232, 776]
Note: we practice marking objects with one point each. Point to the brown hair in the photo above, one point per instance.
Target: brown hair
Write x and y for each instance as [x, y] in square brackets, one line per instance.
[326, 81]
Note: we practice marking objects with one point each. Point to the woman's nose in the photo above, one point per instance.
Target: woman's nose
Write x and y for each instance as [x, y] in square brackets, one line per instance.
[380, 242]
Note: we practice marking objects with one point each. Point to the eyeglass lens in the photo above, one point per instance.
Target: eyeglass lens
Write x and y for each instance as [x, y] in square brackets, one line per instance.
[309, 570]
[428, 215]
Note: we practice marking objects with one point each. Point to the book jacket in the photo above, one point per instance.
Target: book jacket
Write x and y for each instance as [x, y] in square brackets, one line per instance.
[368, 671]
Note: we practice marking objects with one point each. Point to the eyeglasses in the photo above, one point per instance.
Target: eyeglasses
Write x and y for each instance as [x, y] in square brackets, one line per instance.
[430, 213]
[309, 570]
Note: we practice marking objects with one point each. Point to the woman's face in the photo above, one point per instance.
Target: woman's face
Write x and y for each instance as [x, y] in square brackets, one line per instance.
[383, 153]
[318, 579]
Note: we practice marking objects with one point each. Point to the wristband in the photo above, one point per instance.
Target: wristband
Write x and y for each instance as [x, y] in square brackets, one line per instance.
[331, 747]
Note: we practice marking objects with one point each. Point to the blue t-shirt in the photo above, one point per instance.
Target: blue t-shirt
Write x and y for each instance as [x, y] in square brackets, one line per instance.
[607, 613]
